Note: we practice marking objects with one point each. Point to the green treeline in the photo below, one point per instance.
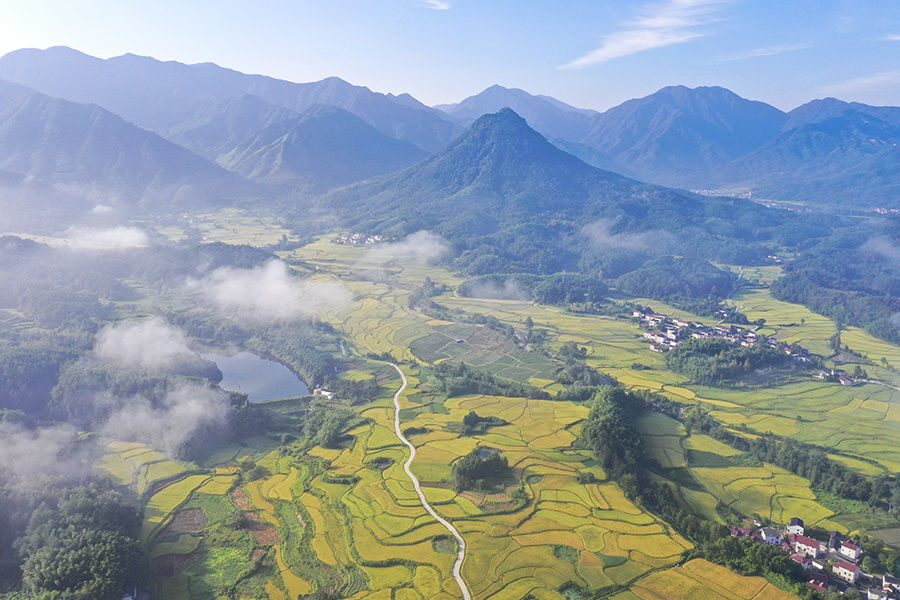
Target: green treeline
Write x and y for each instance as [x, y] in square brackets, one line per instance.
[79, 543]
[713, 361]
[849, 279]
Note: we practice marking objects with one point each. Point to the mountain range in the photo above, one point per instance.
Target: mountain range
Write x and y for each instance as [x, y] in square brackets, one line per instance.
[145, 132]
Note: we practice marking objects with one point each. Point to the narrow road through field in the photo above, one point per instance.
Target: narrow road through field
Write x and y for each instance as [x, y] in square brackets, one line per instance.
[461, 553]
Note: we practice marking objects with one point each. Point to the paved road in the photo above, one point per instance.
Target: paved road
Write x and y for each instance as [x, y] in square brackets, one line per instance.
[461, 543]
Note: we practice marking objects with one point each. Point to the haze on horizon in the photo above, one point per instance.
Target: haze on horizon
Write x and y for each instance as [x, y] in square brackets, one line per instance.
[590, 54]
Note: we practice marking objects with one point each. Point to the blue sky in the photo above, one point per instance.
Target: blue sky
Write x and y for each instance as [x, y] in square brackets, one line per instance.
[590, 53]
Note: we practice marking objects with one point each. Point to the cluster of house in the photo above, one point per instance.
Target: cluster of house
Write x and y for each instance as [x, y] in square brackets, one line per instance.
[359, 239]
[665, 332]
[838, 375]
[840, 554]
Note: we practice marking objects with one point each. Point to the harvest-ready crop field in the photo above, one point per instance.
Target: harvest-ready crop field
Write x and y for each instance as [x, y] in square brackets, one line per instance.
[347, 520]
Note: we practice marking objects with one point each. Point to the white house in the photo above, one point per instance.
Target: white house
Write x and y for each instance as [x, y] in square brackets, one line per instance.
[796, 526]
[806, 546]
[770, 535]
[850, 550]
[846, 571]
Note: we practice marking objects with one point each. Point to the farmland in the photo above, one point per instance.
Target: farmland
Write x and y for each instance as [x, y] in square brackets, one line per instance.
[329, 520]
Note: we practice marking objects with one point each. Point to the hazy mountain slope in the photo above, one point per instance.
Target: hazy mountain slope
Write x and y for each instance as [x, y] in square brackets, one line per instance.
[27, 203]
[88, 151]
[228, 124]
[850, 158]
[325, 148]
[679, 136]
[163, 96]
[549, 117]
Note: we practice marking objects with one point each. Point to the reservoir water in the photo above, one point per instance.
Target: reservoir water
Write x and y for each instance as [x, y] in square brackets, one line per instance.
[261, 379]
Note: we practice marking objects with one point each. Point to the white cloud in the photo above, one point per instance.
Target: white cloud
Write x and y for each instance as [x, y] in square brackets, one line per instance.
[419, 247]
[600, 233]
[437, 4]
[759, 52]
[866, 83]
[269, 293]
[184, 411]
[894, 37]
[660, 25]
[29, 457]
[102, 209]
[883, 247]
[113, 238]
[150, 345]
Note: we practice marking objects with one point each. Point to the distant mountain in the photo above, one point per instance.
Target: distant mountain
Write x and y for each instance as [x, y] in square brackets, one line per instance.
[165, 96]
[837, 153]
[325, 148]
[87, 151]
[548, 116]
[830, 108]
[511, 197]
[680, 136]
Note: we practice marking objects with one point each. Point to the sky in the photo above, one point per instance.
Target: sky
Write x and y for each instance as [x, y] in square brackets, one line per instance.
[589, 53]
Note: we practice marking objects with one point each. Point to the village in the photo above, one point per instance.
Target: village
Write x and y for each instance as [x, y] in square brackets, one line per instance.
[665, 333]
[832, 565]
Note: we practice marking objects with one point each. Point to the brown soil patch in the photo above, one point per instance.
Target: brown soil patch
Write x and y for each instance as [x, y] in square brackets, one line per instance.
[192, 520]
[265, 534]
[240, 499]
[170, 565]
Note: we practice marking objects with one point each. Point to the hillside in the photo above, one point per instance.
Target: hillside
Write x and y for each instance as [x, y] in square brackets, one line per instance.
[515, 200]
[325, 148]
[88, 151]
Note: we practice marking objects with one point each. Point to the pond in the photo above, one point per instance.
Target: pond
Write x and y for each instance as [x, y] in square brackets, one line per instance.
[261, 379]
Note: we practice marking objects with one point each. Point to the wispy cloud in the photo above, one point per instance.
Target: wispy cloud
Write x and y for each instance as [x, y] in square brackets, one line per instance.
[866, 83]
[759, 52]
[893, 37]
[660, 25]
[437, 4]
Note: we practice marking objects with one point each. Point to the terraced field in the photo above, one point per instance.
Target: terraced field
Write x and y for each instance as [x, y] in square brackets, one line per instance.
[701, 579]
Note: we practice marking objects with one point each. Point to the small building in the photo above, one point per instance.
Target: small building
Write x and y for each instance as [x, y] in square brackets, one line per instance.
[801, 560]
[850, 550]
[890, 584]
[818, 581]
[818, 563]
[877, 594]
[806, 546]
[846, 571]
[745, 532]
[320, 393]
[770, 535]
[796, 526]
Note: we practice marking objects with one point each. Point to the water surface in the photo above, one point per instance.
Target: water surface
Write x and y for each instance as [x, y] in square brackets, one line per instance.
[261, 379]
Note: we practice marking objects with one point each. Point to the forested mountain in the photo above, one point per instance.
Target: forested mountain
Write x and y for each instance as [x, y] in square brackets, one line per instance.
[837, 153]
[164, 96]
[89, 152]
[512, 200]
[679, 136]
[325, 148]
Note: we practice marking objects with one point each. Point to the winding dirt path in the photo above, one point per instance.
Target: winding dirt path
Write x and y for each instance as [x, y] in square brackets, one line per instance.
[461, 543]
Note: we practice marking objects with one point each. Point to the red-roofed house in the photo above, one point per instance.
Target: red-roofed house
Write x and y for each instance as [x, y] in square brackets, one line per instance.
[818, 581]
[806, 546]
[850, 550]
[801, 560]
[846, 571]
